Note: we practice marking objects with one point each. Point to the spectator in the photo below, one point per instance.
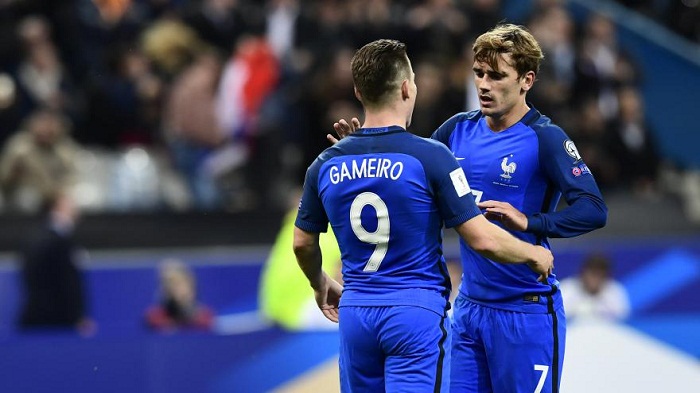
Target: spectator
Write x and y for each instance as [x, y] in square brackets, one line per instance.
[53, 286]
[554, 29]
[178, 307]
[10, 107]
[123, 102]
[218, 22]
[595, 68]
[590, 132]
[433, 105]
[38, 161]
[595, 294]
[632, 145]
[40, 74]
[191, 129]
[249, 78]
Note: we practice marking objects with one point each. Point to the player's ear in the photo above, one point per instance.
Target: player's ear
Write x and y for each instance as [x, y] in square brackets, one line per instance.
[405, 89]
[528, 80]
[357, 93]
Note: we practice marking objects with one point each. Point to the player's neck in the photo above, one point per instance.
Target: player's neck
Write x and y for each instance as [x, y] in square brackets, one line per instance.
[384, 118]
[505, 121]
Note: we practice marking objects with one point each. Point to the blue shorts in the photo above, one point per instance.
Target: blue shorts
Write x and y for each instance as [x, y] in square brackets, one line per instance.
[496, 350]
[393, 349]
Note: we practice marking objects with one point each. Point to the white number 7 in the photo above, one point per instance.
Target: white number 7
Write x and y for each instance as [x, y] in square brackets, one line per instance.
[543, 377]
[477, 195]
[380, 237]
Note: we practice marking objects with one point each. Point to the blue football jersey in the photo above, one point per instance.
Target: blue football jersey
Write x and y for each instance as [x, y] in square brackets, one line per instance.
[529, 165]
[387, 194]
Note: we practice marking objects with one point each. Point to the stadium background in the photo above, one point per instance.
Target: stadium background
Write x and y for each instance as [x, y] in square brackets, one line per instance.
[140, 210]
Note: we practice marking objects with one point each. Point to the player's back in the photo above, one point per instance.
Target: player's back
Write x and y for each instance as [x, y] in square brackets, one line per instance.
[379, 190]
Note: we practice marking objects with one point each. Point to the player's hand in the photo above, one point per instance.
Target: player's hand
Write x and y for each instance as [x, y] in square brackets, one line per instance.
[343, 129]
[504, 213]
[327, 297]
[542, 263]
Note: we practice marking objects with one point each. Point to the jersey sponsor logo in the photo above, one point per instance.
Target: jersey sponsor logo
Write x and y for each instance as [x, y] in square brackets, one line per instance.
[580, 170]
[459, 181]
[368, 167]
[508, 168]
[571, 150]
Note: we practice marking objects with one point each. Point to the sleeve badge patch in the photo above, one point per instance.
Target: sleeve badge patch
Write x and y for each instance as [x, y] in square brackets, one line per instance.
[459, 181]
[572, 150]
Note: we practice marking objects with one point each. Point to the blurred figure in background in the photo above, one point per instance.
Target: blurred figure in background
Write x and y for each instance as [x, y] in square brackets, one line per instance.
[555, 29]
[40, 74]
[178, 307]
[248, 78]
[191, 128]
[594, 293]
[284, 296]
[632, 145]
[433, 105]
[53, 286]
[38, 161]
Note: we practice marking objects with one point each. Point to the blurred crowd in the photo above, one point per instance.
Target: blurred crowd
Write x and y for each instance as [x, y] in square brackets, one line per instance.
[681, 16]
[222, 104]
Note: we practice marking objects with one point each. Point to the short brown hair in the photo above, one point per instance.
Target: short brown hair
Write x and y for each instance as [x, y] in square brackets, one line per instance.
[378, 68]
[509, 39]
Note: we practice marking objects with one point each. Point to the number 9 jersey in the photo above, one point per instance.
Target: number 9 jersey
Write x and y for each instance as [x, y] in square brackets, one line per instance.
[387, 194]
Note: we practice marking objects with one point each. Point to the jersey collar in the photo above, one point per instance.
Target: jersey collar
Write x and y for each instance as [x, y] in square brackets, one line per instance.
[531, 116]
[378, 130]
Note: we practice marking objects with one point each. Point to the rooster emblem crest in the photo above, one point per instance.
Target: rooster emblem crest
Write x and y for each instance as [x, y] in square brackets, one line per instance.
[508, 168]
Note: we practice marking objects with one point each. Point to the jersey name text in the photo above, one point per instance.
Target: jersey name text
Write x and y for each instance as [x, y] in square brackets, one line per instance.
[369, 167]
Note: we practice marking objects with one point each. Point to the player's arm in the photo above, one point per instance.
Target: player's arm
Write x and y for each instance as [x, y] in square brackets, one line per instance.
[444, 132]
[458, 209]
[310, 222]
[326, 290]
[498, 245]
[308, 253]
[567, 171]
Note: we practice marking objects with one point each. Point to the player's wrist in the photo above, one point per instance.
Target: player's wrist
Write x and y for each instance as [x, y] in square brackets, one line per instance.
[317, 281]
[534, 223]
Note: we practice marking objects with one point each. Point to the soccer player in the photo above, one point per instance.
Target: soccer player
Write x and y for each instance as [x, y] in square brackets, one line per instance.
[509, 329]
[387, 194]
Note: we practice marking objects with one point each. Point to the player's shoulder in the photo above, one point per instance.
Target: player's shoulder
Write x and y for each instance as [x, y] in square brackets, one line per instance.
[427, 146]
[444, 132]
[543, 126]
[325, 156]
[333, 151]
[461, 117]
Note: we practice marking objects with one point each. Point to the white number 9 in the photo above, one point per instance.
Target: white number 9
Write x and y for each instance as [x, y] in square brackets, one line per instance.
[380, 237]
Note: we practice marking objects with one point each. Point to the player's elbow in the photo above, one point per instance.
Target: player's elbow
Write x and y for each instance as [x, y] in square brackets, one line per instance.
[603, 220]
[301, 248]
[483, 243]
[599, 217]
[479, 235]
[304, 243]
[600, 220]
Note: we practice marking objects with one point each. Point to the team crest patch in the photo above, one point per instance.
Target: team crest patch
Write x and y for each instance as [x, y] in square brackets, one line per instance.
[572, 150]
[508, 168]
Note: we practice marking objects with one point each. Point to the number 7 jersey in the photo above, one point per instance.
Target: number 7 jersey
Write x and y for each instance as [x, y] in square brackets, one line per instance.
[387, 194]
[530, 165]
